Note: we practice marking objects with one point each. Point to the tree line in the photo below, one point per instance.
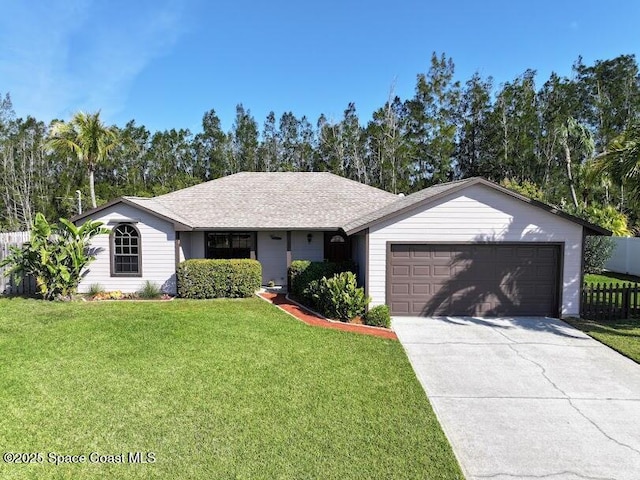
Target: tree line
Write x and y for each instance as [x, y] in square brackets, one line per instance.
[568, 141]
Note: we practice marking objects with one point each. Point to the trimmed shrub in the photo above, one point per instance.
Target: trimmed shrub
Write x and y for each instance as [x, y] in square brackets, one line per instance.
[303, 272]
[378, 316]
[597, 250]
[338, 297]
[199, 278]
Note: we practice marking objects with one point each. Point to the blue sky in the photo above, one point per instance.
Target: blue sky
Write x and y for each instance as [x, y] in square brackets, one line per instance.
[164, 62]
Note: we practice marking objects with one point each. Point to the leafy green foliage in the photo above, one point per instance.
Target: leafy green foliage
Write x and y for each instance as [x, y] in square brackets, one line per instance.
[526, 188]
[597, 250]
[303, 272]
[219, 278]
[378, 316]
[55, 255]
[338, 297]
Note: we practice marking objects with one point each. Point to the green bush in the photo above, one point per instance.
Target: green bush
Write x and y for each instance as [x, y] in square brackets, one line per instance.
[378, 316]
[303, 272]
[219, 278]
[597, 250]
[338, 297]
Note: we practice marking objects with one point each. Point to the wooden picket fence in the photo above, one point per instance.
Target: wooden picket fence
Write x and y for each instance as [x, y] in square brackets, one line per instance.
[13, 285]
[610, 302]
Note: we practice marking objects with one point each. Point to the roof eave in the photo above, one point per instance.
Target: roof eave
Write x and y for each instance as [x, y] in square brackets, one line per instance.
[177, 225]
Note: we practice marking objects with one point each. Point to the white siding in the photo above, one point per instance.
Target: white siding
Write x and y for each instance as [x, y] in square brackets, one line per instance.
[303, 249]
[191, 245]
[479, 214]
[625, 257]
[157, 247]
[272, 255]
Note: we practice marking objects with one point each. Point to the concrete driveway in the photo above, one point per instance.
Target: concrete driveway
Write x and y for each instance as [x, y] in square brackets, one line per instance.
[528, 398]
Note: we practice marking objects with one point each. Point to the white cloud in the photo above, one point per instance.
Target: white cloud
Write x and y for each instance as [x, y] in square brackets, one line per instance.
[67, 55]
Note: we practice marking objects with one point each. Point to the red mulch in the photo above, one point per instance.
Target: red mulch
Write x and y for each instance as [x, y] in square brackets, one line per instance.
[311, 318]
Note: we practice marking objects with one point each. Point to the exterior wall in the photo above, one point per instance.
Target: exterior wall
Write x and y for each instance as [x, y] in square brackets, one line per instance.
[157, 246]
[359, 256]
[191, 245]
[626, 256]
[479, 214]
[302, 249]
[272, 255]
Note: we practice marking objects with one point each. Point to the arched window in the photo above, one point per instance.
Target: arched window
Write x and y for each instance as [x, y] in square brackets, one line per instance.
[125, 251]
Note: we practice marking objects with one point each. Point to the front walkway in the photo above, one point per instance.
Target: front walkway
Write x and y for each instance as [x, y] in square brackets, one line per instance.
[528, 398]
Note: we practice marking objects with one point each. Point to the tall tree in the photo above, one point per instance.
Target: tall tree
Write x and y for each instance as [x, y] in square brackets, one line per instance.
[87, 138]
[609, 96]
[476, 154]
[244, 143]
[211, 148]
[432, 122]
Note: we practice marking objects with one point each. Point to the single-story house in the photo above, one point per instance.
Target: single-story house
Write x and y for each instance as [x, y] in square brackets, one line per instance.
[469, 247]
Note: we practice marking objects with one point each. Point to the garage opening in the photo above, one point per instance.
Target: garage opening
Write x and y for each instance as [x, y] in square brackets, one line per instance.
[496, 279]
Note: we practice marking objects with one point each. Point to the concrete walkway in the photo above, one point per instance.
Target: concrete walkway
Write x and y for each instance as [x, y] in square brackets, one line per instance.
[528, 398]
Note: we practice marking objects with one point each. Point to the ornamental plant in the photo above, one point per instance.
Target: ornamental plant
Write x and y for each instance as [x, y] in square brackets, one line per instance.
[55, 255]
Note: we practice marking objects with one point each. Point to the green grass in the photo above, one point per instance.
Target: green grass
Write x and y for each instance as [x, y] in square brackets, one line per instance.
[622, 335]
[610, 277]
[215, 389]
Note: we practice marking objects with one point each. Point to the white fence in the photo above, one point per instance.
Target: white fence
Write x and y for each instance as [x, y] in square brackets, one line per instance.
[13, 285]
[626, 256]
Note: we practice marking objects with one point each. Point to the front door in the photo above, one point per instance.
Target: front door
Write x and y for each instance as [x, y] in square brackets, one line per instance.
[272, 255]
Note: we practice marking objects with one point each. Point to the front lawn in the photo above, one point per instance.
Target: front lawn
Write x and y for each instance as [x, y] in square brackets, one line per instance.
[607, 278]
[214, 389]
[621, 335]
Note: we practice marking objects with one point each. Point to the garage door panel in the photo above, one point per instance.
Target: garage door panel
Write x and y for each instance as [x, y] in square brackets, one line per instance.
[400, 288]
[481, 279]
[401, 270]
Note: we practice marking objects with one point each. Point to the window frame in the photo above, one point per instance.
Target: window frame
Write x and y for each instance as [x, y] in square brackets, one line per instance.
[250, 239]
[112, 252]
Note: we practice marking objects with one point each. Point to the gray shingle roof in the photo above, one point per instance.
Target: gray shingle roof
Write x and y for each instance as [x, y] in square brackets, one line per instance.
[274, 200]
[298, 201]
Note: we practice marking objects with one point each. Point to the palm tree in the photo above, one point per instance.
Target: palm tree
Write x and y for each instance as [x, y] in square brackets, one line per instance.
[621, 161]
[86, 137]
[571, 131]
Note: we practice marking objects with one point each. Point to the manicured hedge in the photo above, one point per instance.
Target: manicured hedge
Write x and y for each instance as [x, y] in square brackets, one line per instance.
[303, 272]
[219, 278]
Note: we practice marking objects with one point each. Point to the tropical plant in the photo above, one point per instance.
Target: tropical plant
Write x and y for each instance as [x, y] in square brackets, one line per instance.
[87, 138]
[572, 132]
[55, 255]
[621, 161]
[339, 296]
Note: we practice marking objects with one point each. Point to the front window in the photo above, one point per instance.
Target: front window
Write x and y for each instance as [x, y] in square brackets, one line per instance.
[125, 248]
[229, 244]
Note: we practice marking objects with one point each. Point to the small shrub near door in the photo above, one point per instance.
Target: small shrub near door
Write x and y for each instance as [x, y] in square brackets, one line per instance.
[378, 316]
[338, 297]
[219, 278]
[303, 272]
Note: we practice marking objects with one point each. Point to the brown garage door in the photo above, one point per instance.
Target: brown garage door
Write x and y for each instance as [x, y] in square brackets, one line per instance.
[483, 279]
